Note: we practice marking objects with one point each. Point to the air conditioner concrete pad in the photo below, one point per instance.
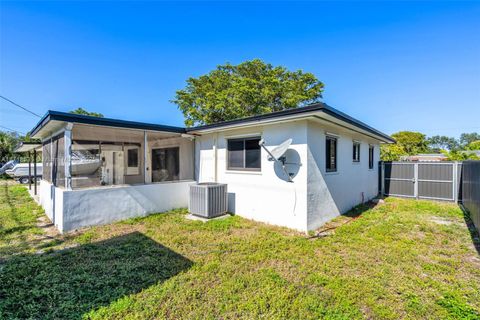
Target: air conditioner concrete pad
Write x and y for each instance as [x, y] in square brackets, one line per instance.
[197, 218]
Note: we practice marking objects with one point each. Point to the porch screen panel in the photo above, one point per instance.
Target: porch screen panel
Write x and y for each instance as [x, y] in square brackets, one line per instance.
[86, 166]
[165, 164]
[46, 161]
[58, 161]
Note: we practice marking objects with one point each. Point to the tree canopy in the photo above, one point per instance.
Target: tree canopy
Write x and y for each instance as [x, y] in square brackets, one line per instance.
[247, 89]
[412, 142]
[438, 143]
[467, 138]
[8, 142]
[86, 113]
[474, 145]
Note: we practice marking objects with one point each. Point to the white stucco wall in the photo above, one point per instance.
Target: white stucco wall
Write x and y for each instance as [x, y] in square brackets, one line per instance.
[315, 197]
[51, 200]
[95, 206]
[262, 196]
[331, 194]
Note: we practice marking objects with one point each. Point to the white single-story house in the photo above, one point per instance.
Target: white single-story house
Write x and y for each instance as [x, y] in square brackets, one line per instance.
[99, 170]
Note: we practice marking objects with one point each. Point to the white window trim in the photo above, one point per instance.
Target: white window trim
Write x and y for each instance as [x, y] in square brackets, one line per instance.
[356, 162]
[131, 171]
[373, 167]
[242, 170]
[337, 138]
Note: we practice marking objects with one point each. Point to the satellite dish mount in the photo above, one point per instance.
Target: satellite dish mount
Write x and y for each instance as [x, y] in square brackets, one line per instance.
[278, 154]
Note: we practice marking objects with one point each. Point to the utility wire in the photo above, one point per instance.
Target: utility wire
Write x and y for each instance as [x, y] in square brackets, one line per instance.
[17, 105]
[12, 130]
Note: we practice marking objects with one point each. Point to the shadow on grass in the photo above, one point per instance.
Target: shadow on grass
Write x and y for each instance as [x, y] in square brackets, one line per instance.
[471, 228]
[69, 283]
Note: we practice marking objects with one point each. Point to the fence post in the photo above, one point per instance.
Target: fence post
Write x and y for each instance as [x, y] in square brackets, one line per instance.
[455, 181]
[382, 179]
[415, 180]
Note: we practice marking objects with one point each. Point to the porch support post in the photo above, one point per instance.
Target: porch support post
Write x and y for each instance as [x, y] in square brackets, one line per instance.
[145, 165]
[68, 156]
[29, 171]
[35, 171]
[51, 159]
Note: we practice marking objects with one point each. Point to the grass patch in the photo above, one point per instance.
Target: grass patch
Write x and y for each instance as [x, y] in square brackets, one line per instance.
[393, 261]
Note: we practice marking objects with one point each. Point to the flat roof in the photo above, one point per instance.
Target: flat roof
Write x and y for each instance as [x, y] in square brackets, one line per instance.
[27, 146]
[313, 108]
[109, 122]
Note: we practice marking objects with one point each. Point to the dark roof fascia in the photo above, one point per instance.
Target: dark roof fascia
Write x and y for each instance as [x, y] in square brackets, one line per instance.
[296, 111]
[78, 118]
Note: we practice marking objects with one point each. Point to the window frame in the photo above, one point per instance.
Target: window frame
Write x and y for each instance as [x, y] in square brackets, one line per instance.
[327, 153]
[244, 168]
[166, 149]
[371, 157]
[132, 170]
[356, 144]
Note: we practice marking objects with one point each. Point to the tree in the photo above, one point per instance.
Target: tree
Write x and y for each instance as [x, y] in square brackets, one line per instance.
[8, 143]
[475, 145]
[467, 138]
[86, 113]
[391, 152]
[460, 155]
[438, 143]
[250, 88]
[412, 142]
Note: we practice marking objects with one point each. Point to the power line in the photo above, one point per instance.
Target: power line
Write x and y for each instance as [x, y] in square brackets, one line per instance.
[6, 128]
[16, 104]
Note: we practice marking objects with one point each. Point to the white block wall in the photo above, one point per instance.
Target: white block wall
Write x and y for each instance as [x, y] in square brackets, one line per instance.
[262, 196]
[331, 194]
[88, 207]
[315, 197]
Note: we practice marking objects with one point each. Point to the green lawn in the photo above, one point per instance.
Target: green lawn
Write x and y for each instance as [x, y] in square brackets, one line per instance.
[403, 259]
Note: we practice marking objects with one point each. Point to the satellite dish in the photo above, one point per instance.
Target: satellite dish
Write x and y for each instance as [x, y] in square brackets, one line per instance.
[278, 154]
[279, 151]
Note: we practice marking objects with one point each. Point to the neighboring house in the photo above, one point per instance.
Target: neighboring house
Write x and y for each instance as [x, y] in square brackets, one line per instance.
[98, 170]
[425, 157]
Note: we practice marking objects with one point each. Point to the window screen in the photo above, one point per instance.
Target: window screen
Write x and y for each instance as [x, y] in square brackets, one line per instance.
[165, 164]
[356, 151]
[132, 157]
[244, 154]
[370, 157]
[331, 154]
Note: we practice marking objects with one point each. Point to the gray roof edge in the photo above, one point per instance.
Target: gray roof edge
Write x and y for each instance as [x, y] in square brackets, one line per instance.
[78, 118]
[320, 106]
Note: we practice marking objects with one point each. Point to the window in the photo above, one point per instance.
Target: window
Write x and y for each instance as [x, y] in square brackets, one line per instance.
[244, 154]
[132, 157]
[132, 160]
[356, 151]
[165, 164]
[331, 154]
[370, 157]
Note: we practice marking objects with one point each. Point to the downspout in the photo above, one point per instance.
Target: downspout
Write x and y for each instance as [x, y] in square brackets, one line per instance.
[215, 156]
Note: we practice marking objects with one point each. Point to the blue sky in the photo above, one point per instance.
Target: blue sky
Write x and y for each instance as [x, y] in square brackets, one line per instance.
[395, 65]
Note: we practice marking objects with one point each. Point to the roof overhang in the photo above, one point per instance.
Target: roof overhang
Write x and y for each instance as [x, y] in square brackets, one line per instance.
[28, 147]
[54, 121]
[318, 111]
